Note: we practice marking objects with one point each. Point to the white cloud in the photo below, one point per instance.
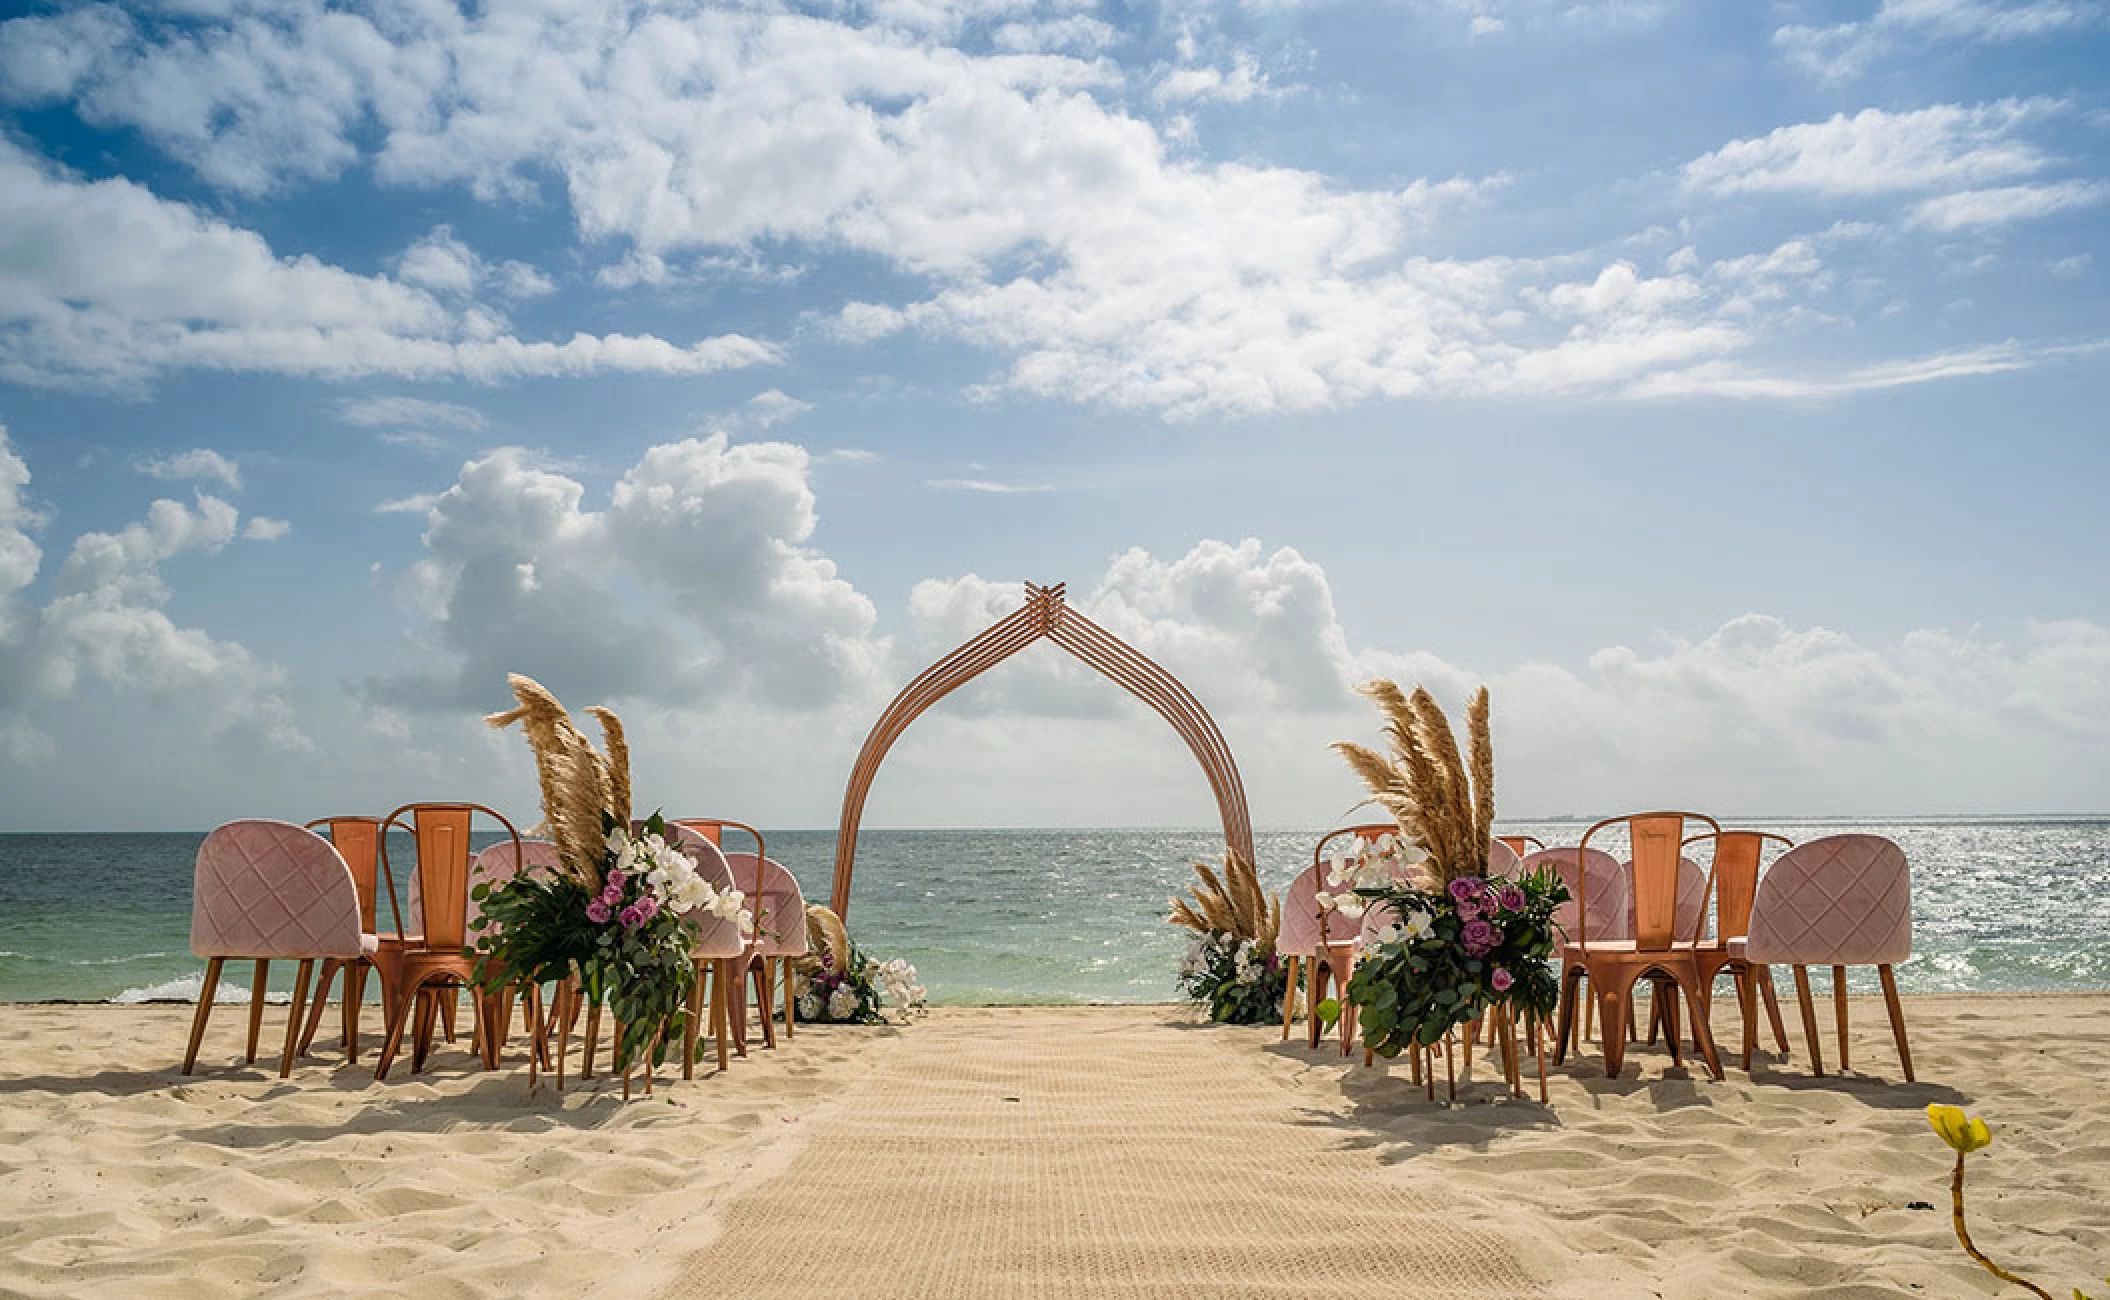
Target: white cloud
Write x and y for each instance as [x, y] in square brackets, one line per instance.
[519, 575]
[419, 504]
[1971, 209]
[1877, 152]
[1842, 51]
[105, 619]
[854, 455]
[1731, 380]
[1242, 81]
[772, 407]
[2074, 265]
[196, 465]
[444, 264]
[262, 529]
[102, 284]
[986, 486]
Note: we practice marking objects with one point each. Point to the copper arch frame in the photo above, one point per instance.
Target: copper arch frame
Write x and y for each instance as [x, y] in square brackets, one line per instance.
[1046, 615]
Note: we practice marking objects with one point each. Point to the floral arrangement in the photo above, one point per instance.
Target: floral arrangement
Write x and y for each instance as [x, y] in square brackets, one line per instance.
[838, 984]
[1965, 1134]
[1446, 957]
[1357, 864]
[613, 913]
[1456, 943]
[1232, 966]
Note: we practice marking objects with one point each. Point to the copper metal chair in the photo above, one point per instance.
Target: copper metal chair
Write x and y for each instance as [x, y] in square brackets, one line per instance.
[1333, 957]
[1613, 965]
[1522, 845]
[358, 841]
[1735, 867]
[417, 966]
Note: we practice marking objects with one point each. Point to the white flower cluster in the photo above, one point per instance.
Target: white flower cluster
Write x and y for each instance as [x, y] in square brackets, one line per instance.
[1415, 927]
[896, 981]
[1357, 863]
[1247, 965]
[671, 876]
[842, 1003]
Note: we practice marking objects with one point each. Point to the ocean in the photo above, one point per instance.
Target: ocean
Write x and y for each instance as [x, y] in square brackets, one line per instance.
[1062, 916]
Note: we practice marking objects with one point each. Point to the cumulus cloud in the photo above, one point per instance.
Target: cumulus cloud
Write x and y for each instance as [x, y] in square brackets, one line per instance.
[106, 620]
[444, 264]
[262, 529]
[110, 286]
[518, 573]
[200, 464]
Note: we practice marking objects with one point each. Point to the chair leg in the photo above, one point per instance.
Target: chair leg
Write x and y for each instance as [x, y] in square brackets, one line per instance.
[721, 1016]
[330, 967]
[449, 1000]
[1667, 999]
[1612, 1024]
[256, 1008]
[354, 996]
[1764, 975]
[293, 1014]
[1747, 1008]
[1809, 1019]
[791, 1015]
[1701, 1030]
[421, 1043]
[758, 974]
[398, 1021]
[1314, 993]
[206, 990]
[1571, 990]
[1839, 1005]
[593, 1039]
[1897, 1017]
[1289, 996]
[690, 1030]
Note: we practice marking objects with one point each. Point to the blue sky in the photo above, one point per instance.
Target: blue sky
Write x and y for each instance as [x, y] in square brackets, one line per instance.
[1721, 384]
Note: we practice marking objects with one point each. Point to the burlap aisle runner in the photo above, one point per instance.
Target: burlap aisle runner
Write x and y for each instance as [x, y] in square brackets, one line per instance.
[1060, 1154]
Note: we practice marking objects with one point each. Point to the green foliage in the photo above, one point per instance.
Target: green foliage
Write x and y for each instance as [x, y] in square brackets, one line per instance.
[1241, 981]
[1453, 954]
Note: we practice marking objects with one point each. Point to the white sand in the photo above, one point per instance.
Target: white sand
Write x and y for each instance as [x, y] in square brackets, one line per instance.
[1145, 1155]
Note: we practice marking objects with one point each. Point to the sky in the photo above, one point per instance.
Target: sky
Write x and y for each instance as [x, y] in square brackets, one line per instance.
[1722, 385]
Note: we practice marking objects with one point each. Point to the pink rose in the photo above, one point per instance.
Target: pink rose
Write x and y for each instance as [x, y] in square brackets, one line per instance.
[649, 906]
[597, 912]
[1478, 937]
[1463, 889]
[616, 881]
[631, 917]
[1512, 898]
[1502, 979]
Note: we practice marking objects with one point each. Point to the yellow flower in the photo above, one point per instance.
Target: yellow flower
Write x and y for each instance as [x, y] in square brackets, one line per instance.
[1959, 1130]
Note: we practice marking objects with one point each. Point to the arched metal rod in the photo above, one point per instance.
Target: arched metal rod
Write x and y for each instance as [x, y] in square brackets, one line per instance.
[1044, 615]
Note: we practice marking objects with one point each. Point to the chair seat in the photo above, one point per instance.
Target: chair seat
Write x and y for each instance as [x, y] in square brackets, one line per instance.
[1632, 948]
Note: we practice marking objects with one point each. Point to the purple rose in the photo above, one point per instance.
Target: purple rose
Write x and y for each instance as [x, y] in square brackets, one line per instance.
[1463, 889]
[649, 906]
[1511, 898]
[1478, 937]
[597, 912]
[1502, 979]
[616, 881]
[631, 917]
[1468, 908]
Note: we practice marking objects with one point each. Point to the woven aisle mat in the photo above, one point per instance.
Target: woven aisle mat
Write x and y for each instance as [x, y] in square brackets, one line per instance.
[1081, 1153]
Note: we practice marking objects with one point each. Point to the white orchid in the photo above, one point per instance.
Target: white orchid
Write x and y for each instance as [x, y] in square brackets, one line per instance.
[1417, 926]
[842, 1003]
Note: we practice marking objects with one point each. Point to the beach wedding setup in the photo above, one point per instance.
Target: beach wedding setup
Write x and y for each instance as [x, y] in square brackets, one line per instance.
[1470, 990]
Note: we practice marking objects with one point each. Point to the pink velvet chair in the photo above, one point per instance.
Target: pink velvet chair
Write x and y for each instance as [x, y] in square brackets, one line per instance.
[1297, 941]
[780, 934]
[1844, 900]
[1502, 860]
[358, 841]
[718, 950]
[264, 891]
[494, 866]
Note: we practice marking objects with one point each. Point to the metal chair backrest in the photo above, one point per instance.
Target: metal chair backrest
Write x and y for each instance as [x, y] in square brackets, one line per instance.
[1735, 866]
[358, 842]
[1522, 845]
[440, 834]
[1654, 838]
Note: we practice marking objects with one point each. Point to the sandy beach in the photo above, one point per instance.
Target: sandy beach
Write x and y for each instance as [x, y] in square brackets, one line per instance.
[1046, 1152]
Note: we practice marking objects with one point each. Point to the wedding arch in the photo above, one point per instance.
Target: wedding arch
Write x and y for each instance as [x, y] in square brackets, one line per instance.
[1046, 615]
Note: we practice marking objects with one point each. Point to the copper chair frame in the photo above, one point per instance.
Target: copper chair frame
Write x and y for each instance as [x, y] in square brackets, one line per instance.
[1735, 890]
[410, 968]
[1656, 947]
[355, 970]
[1332, 960]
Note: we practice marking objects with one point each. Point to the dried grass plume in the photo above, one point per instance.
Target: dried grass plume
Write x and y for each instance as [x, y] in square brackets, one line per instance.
[1230, 903]
[1441, 802]
[578, 782]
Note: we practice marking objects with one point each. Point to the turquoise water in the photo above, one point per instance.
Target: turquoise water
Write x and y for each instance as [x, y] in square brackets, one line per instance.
[1064, 916]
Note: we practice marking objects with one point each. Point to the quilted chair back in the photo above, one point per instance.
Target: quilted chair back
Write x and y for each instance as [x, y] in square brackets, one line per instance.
[1844, 900]
[780, 909]
[1299, 935]
[715, 937]
[358, 841]
[1609, 898]
[270, 889]
[1502, 860]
